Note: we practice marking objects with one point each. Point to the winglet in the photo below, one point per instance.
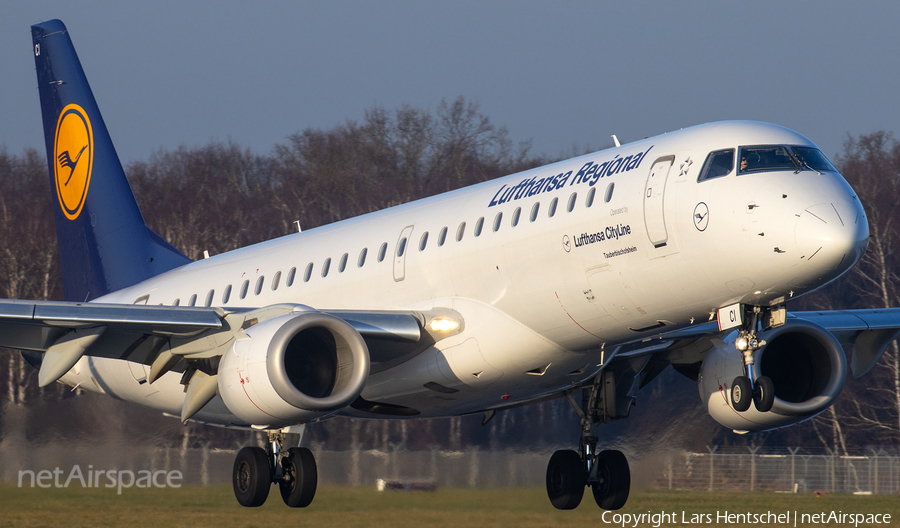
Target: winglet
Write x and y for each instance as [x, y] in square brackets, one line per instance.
[104, 244]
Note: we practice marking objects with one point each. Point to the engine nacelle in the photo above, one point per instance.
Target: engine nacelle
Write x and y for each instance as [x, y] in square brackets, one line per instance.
[293, 368]
[805, 362]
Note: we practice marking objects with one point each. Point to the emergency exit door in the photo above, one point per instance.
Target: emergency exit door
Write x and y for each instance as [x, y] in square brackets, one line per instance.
[402, 248]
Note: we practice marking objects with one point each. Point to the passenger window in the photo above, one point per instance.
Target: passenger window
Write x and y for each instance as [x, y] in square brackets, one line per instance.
[290, 277]
[607, 196]
[226, 294]
[571, 204]
[401, 247]
[343, 264]
[382, 251]
[275, 280]
[442, 237]
[719, 163]
[552, 209]
[423, 241]
[589, 201]
[193, 300]
[497, 220]
[362, 257]
[478, 225]
[209, 297]
[516, 214]
[534, 211]
[460, 232]
[325, 266]
[308, 273]
[259, 284]
[244, 288]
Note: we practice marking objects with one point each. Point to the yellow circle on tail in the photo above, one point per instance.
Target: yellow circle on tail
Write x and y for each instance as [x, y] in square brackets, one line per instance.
[73, 155]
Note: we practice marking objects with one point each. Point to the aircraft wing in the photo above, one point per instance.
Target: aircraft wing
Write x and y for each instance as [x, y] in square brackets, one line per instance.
[161, 336]
[36, 325]
[868, 332]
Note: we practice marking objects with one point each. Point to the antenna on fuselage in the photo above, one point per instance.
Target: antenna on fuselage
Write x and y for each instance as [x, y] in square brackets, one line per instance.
[616, 140]
[297, 222]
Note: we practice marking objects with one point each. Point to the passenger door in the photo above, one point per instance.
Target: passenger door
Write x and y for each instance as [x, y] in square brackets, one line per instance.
[654, 192]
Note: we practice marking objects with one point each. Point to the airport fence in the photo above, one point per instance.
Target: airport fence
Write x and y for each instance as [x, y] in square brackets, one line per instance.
[790, 469]
[787, 469]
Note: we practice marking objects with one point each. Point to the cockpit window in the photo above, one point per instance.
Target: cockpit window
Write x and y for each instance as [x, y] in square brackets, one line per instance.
[813, 159]
[718, 163]
[783, 158]
[765, 159]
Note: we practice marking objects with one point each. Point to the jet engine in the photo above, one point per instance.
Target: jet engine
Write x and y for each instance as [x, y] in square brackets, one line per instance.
[805, 362]
[293, 368]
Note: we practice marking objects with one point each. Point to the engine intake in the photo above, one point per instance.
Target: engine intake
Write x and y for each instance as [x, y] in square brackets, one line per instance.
[805, 362]
[807, 366]
[293, 368]
[314, 361]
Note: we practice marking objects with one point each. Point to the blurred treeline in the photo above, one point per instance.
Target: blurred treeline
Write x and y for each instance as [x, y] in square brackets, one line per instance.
[220, 197]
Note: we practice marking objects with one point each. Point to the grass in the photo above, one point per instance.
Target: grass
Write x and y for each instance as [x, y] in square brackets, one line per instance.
[197, 506]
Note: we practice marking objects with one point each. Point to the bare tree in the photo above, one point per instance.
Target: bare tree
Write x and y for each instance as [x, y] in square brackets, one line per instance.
[869, 409]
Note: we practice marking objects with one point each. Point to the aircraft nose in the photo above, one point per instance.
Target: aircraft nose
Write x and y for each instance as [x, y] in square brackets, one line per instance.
[833, 235]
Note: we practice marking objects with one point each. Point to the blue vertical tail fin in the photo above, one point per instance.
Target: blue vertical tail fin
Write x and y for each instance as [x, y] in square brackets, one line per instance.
[104, 244]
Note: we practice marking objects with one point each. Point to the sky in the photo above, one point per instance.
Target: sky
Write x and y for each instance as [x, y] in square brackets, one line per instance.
[565, 75]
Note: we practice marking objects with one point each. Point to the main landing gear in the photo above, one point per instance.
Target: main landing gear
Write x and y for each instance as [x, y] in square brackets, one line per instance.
[256, 469]
[747, 388]
[606, 472]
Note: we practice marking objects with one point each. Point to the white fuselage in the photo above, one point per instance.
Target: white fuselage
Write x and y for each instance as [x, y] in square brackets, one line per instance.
[643, 249]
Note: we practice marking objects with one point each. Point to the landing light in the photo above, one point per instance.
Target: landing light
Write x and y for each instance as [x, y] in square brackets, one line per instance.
[741, 343]
[442, 324]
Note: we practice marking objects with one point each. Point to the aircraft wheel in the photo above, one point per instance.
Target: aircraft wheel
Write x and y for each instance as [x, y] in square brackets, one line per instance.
[612, 493]
[565, 479]
[251, 476]
[741, 393]
[764, 394]
[300, 476]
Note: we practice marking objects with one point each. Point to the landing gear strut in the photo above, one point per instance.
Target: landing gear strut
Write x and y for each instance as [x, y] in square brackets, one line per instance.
[606, 472]
[256, 469]
[747, 388]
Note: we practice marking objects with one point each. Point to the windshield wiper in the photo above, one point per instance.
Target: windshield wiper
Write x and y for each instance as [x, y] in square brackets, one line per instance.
[800, 162]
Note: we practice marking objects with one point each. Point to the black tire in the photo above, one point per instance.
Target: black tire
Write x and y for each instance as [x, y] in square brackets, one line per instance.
[612, 493]
[741, 393]
[301, 476]
[764, 394]
[565, 479]
[251, 477]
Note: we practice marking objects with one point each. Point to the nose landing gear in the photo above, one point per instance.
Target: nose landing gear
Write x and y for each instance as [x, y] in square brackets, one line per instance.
[747, 388]
[256, 469]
